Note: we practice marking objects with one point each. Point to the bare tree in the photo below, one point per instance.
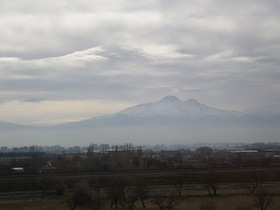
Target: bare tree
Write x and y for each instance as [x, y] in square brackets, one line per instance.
[212, 182]
[97, 201]
[140, 189]
[90, 158]
[128, 202]
[116, 190]
[263, 198]
[164, 202]
[251, 181]
[179, 183]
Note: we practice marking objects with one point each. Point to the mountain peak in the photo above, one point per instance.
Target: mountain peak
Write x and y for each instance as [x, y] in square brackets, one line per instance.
[170, 99]
[193, 102]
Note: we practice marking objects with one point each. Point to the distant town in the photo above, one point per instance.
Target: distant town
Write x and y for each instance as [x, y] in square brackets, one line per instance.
[269, 148]
[105, 157]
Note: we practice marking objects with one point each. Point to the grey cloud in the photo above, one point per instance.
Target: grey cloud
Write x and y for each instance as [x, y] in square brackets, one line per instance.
[198, 48]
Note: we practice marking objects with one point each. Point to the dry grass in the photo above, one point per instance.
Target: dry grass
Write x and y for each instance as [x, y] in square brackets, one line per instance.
[28, 203]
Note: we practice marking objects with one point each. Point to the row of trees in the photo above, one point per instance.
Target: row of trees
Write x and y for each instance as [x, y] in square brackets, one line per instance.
[163, 190]
[123, 192]
[115, 191]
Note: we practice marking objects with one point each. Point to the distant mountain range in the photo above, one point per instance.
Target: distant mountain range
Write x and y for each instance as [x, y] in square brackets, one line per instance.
[167, 120]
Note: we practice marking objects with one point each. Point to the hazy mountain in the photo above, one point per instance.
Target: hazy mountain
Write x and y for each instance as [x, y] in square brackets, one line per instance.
[172, 107]
[169, 121]
[169, 110]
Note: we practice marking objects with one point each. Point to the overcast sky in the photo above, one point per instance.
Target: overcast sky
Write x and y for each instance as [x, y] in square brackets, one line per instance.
[66, 60]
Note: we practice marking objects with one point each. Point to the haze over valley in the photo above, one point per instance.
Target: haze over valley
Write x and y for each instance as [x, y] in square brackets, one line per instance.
[167, 121]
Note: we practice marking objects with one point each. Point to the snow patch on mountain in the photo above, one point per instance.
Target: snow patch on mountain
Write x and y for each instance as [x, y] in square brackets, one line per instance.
[172, 107]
